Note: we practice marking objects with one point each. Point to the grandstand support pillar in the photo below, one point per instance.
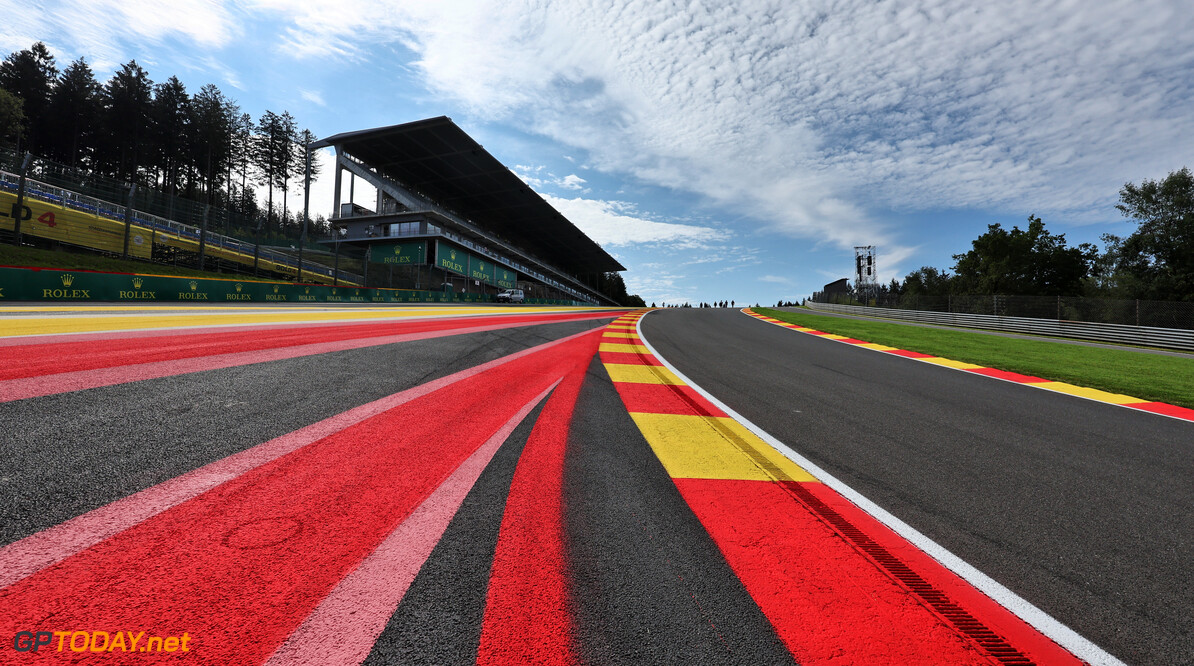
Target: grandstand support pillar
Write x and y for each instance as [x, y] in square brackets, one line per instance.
[18, 209]
[339, 181]
[203, 237]
[306, 211]
[128, 219]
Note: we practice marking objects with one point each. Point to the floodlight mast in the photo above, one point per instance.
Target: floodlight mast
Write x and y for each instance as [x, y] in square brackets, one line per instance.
[866, 281]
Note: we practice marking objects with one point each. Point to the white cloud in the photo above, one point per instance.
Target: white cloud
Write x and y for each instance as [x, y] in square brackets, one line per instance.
[572, 182]
[806, 115]
[98, 29]
[776, 279]
[312, 96]
[614, 223]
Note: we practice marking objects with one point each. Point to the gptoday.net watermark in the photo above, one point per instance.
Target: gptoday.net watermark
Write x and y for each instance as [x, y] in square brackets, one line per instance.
[98, 642]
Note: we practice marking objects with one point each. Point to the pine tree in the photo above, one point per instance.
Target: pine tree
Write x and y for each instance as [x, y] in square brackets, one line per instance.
[127, 105]
[73, 111]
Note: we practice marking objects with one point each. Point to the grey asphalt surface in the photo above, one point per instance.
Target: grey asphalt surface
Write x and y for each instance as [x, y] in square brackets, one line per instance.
[651, 587]
[1083, 509]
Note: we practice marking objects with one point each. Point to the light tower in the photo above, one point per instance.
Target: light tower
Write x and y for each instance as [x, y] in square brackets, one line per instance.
[866, 283]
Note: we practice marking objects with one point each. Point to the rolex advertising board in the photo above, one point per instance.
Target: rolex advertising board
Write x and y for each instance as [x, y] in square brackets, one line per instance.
[399, 253]
[483, 269]
[47, 284]
[450, 258]
[34, 284]
[506, 278]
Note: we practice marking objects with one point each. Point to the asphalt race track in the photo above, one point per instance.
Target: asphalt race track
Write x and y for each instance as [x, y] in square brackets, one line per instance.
[517, 485]
[1082, 508]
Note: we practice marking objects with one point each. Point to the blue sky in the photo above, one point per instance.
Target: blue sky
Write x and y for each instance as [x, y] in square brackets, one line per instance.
[719, 150]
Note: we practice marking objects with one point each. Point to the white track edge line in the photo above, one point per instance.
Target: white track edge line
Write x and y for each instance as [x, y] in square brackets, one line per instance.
[1035, 386]
[1061, 634]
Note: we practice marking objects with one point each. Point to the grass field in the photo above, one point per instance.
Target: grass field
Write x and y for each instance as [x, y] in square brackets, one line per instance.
[10, 255]
[1146, 376]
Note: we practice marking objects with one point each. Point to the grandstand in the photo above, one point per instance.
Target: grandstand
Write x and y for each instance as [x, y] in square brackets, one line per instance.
[443, 212]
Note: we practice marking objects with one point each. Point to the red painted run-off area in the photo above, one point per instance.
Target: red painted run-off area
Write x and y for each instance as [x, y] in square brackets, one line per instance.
[64, 354]
[241, 566]
[831, 604]
[528, 617]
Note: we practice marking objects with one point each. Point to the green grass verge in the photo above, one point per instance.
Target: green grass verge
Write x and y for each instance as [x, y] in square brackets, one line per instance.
[1146, 376]
[11, 255]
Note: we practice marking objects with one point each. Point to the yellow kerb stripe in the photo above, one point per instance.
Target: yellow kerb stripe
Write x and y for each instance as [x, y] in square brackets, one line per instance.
[950, 363]
[707, 447]
[615, 347]
[876, 347]
[619, 334]
[1083, 392]
[641, 374]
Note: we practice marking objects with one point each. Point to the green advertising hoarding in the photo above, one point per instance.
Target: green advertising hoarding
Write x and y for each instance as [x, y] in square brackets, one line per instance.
[450, 258]
[399, 253]
[457, 260]
[506, 278]
[45, 284]
[481, 268]
[48, 284]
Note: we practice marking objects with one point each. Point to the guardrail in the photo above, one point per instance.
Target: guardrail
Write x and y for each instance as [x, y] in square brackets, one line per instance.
[1146, 336]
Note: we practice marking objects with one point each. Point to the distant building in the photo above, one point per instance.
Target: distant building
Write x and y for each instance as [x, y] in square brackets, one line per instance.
[841, 286]
[831, 291]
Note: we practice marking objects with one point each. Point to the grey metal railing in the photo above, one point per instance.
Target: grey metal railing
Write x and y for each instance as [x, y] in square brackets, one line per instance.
[1147, 336]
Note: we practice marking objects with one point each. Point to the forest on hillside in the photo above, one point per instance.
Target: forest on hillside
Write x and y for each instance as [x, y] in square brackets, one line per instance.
[199, 146]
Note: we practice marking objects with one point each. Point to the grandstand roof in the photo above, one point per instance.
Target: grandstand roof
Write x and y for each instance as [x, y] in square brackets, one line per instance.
[436, 159]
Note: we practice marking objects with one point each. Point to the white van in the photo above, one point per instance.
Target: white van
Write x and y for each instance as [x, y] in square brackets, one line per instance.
[510, 296]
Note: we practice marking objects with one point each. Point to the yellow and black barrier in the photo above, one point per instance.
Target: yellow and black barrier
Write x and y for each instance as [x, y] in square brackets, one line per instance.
[67, 225]
[91, 230]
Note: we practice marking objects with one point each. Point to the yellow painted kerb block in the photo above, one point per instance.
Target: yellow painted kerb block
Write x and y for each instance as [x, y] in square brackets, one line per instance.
[641, 374]
[624, 348]
[876, 347]
[707, 447]
[950, 363]
[1083, 392]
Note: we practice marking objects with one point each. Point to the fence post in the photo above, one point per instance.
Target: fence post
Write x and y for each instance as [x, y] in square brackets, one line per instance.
[1059, 307]
[203, 238]
[365, 273]
[128, 219]
[18, 209]
[256, 246]
[336, 267]
[1137, 311]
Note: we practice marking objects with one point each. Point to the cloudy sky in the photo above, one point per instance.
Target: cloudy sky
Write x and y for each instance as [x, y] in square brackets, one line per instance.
[719, 149]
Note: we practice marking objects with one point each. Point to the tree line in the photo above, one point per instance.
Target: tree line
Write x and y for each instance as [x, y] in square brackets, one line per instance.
[199, 146]
[1154, 262]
